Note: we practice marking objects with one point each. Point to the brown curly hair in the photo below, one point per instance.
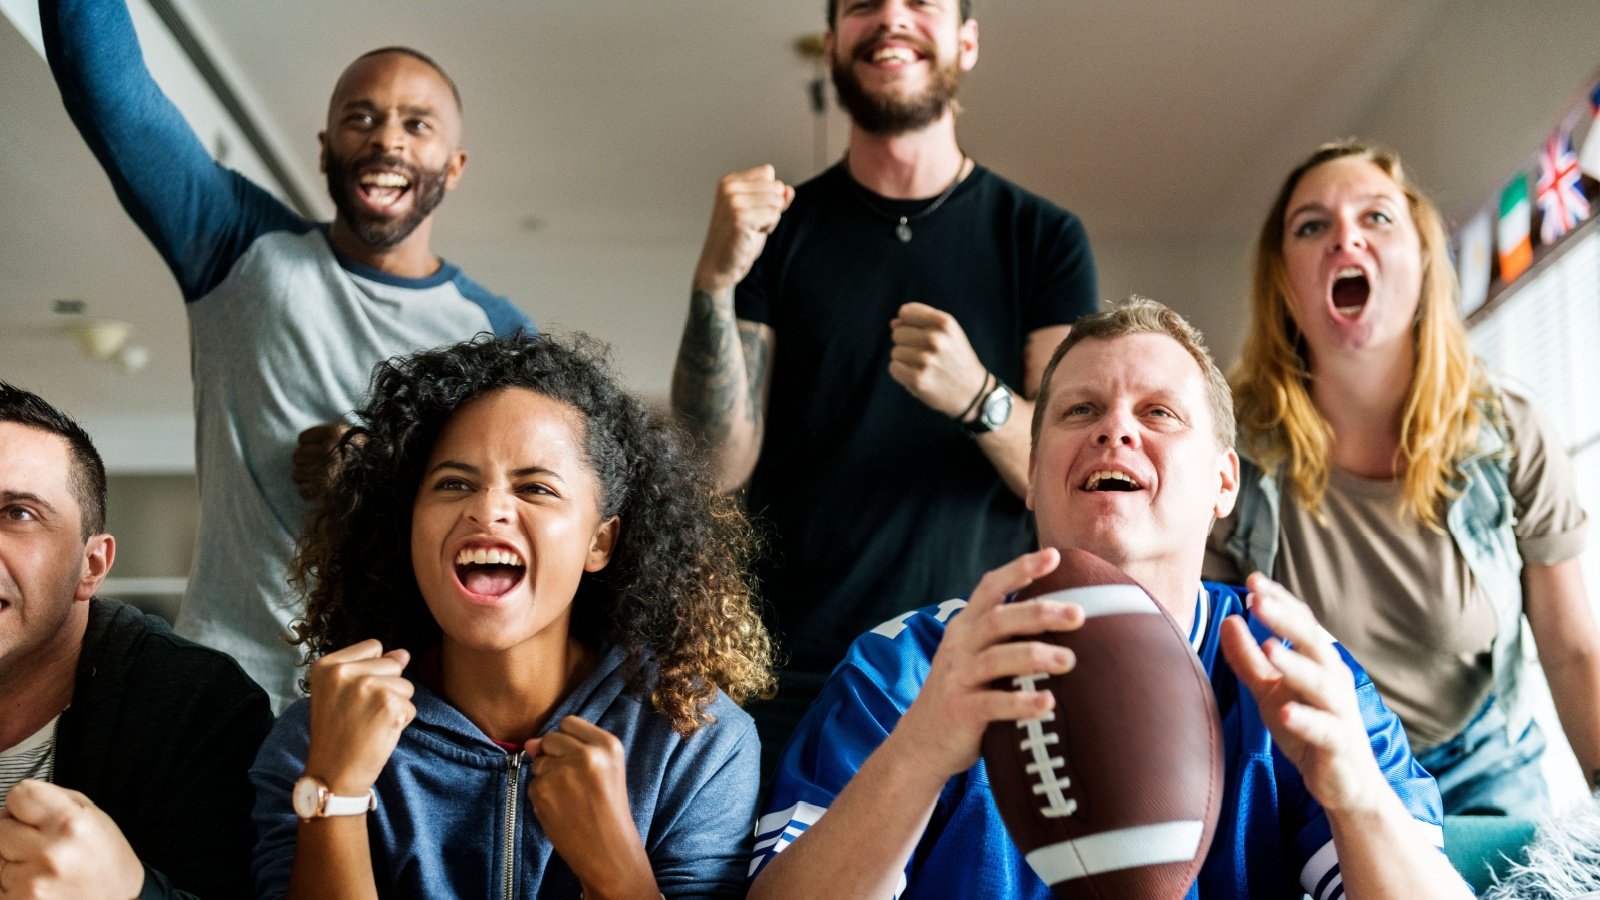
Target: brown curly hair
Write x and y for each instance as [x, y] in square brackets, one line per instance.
[675, 594]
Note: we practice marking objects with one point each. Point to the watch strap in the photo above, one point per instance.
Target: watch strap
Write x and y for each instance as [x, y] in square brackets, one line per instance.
[339, 805]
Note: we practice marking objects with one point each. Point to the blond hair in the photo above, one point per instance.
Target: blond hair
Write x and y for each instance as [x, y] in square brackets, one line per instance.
[1141, 315]
[1449, 395]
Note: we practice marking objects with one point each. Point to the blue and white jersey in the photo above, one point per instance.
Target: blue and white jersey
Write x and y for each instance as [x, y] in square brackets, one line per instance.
[1273, 839]
[284, 333]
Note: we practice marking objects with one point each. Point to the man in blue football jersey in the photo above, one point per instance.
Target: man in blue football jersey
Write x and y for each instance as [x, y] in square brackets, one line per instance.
[882, 791]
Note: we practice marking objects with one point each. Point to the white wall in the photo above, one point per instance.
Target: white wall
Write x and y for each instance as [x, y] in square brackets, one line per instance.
[1205, 279]
[1479, 98]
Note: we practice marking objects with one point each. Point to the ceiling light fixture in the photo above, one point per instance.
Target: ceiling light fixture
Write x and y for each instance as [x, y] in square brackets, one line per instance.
[99, 338]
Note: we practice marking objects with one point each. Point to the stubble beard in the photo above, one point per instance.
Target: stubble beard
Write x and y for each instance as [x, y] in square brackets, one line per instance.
[378, 232]
[892, 114]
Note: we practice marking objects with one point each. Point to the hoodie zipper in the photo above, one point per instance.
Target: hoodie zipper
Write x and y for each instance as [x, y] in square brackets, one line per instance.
[513, 790]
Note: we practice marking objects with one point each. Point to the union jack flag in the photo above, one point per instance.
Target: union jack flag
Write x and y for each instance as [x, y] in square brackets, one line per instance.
[1560, 193]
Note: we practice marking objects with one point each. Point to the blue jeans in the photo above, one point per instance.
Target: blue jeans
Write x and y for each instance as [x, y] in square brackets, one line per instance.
[1480, 773]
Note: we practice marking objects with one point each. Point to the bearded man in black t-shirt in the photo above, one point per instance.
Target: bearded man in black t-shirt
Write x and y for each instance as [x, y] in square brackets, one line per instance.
[918, 297]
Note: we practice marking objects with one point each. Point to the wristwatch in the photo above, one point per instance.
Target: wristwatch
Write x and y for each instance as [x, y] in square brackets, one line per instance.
[993, 410]
[313, 800]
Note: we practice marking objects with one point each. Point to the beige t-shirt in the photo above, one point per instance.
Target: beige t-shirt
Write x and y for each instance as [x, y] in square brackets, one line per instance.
[1399, 596]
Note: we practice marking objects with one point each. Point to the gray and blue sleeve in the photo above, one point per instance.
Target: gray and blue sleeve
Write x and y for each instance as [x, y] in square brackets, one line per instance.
[200, 216]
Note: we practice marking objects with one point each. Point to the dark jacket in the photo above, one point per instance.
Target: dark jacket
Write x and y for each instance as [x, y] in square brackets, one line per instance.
[160, 735]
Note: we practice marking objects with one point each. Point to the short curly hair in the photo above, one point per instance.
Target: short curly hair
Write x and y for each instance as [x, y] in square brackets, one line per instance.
[675, 595]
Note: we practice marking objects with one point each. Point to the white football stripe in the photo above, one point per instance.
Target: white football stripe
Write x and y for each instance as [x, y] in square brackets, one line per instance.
[1111, 851]
[1106, 599]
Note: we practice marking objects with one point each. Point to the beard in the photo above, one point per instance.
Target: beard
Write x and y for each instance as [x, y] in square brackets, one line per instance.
[891, 114]
[376, 231]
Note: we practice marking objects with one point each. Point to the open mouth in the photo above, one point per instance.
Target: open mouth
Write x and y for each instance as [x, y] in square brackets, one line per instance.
[1111, 480]
[895, 53]
[382, 189]
[1350, 292]
[489, 571]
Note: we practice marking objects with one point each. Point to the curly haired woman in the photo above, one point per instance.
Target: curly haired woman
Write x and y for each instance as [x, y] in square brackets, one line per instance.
[530, 629]
[1418, 506]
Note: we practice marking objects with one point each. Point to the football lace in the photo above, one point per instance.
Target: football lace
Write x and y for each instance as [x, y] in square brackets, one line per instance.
[1049, 781]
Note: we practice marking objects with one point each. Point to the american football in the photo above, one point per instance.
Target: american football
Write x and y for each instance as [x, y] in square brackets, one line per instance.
[1115, 792]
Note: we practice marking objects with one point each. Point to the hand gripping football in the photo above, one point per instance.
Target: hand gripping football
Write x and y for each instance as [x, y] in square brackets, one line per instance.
[1114, 793]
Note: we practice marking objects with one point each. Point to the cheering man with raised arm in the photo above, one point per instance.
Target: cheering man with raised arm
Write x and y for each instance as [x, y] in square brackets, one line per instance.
[862, 350]
[287, 316]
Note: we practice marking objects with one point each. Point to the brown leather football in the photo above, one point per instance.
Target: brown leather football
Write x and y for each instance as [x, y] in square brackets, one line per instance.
[1115, 792]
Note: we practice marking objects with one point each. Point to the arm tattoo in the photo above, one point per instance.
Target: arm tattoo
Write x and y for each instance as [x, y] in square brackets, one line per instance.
[755, 368]
[703, 381]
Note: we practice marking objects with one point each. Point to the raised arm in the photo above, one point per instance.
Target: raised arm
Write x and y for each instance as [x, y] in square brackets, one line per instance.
[720, 382]
[199, 215]
[1308, 701]
[860, 846]
[360, 705]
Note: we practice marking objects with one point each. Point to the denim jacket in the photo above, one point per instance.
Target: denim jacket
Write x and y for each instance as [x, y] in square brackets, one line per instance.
[453, 817]
[1479, 519]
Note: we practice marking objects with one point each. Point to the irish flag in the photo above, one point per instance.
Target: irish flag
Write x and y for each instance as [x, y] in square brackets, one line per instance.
[1511, 235]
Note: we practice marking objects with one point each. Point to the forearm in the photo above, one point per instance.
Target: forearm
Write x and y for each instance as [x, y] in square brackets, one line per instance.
[1575, 684]
[332, 859]
[632, 881]
[1007, 447]
[1383, 853]
[715, 391]
[860, 846]
[1563, 624]
[163, 175]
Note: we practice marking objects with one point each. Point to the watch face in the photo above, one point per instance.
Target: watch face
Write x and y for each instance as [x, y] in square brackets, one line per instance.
[307, 798]
[997, 408]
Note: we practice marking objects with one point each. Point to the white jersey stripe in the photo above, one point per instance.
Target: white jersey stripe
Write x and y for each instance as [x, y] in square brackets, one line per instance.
[1325, 860]
[1434, 834]
[1111, 851]
[801, 813]
[1202, 620]
[1106, 599]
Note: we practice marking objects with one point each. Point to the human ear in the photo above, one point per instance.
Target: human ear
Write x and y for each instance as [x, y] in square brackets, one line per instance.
[1228, 485]
[967, 40]
[98, 554]
[602, 544]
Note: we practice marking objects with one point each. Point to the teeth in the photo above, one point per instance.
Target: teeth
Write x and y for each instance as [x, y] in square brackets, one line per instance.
[487, 556]
[893, 54]
[1349, 272]
[386, 179]
[1108, 475]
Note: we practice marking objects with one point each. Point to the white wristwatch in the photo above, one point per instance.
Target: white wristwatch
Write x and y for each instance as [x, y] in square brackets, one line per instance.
[313, 800]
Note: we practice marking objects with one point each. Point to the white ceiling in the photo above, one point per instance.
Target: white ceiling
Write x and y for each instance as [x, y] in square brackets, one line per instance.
[609, 121]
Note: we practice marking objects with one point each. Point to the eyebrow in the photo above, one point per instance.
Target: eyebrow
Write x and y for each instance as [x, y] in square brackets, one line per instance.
[425, 112]
[26, 497]
[1090, 393]
[468, 468]
[1315, 206]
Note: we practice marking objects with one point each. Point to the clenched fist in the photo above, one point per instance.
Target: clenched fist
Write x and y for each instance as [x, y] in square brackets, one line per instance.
[933, 359]
[747, 208]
